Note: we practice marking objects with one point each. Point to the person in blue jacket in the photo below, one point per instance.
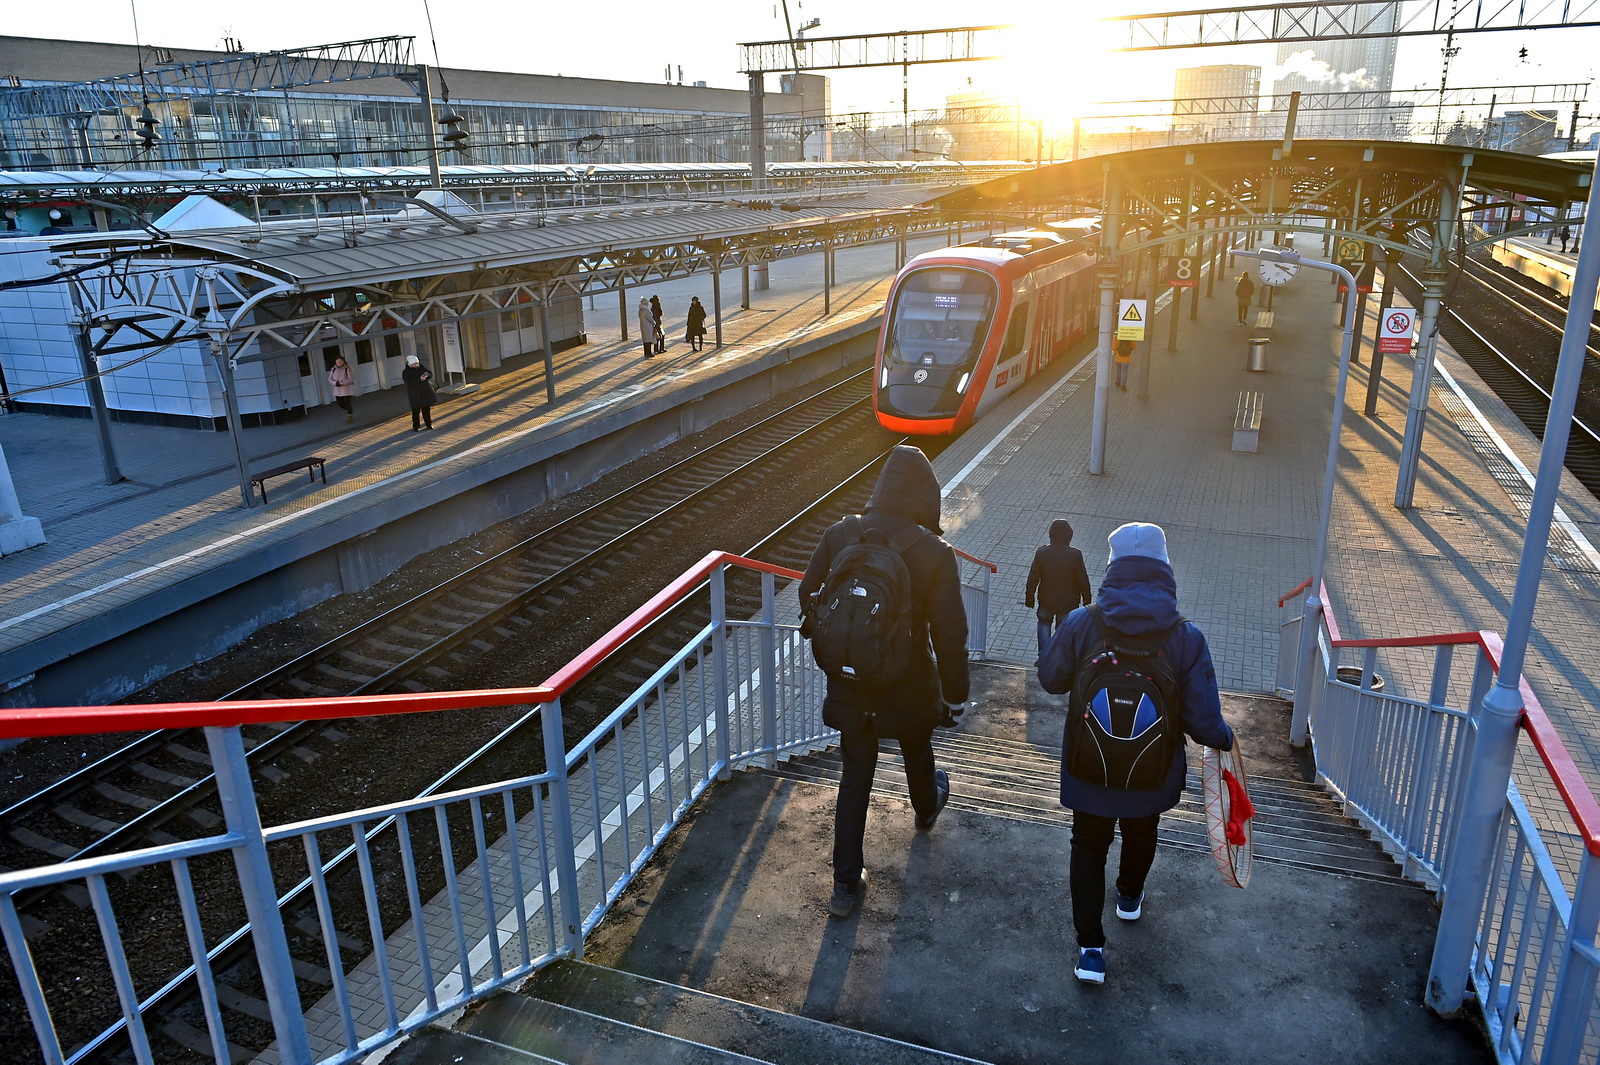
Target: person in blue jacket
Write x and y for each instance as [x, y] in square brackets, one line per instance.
[1139, 596]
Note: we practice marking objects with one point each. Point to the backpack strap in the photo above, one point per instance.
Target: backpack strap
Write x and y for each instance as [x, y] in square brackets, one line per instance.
[905, 539]
[854, 529]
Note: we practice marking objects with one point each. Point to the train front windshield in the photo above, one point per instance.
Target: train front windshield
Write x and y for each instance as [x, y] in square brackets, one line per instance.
[939, 323]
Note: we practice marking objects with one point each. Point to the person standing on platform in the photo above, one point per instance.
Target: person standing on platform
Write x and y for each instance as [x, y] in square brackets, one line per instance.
[655, 322]
[1134, 626]
[1243, 292]
[1565, 233]
[1122, 352]
[695, 333]
[343, 380]
[420, 393]
[647, 328]
[903, 514]
[1060, 580]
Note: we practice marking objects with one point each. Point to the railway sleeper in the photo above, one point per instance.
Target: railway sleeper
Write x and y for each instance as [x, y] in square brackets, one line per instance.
[43, 844]
[309, 926]
[126, 798]
[161, 776]
[189, 754]
[198, 1042]
[73, 815]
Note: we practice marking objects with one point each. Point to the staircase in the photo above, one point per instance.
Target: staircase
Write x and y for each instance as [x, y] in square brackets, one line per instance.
[951, 953]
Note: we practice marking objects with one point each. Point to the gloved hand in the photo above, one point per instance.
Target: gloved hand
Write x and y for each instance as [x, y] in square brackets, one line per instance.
[952, 714]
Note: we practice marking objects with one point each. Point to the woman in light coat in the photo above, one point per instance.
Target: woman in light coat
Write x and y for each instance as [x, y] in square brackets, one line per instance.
[647, 327]
[343, 380]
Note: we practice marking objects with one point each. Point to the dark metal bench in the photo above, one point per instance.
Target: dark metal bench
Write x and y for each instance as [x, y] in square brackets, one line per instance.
[1247, 422]
[313, 466]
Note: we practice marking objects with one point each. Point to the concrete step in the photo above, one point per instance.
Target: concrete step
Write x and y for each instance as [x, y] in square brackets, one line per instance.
[735, 1027]
[514, 1029]
[1296, 822]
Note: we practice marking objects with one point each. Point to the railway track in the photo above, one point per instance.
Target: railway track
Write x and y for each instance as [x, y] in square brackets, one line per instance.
[162, 777]
[1526, 396]
[412, 644]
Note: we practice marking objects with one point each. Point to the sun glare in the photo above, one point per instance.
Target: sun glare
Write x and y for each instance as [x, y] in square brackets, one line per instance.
[1058, 64]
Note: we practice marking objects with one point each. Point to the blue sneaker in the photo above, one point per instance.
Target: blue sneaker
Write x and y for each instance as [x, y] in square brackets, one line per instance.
[1091, 967]
[1129, 907]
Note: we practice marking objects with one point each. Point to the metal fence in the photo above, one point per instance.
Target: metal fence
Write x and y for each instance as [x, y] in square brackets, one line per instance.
[1393, 731]
[498, 879]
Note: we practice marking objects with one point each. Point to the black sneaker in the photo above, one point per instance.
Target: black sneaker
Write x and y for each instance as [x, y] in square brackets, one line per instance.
[1130, 907]
[847, 899]
[941, 786]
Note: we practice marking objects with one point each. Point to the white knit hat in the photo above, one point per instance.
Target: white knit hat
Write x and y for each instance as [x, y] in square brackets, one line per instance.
[1138, 538]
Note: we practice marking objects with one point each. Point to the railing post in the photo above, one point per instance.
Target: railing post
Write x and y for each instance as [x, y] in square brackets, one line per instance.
[1470, 862]
[719, 666]
[769, 669]
[243, 819]
[1569, 1008]
[555, 766]
[1310, 622]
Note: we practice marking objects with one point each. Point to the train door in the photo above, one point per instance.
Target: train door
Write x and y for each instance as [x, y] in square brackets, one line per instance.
[368, 374]
[392, 361]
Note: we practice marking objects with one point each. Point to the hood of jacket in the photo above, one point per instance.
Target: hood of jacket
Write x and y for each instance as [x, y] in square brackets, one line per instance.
[1139, 595]
[1061, 532]
[908, 487]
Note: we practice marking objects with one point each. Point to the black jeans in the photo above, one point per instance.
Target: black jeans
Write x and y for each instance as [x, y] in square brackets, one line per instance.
[1048, 624]
[859, 750]
[1091, 840]
[421, 416]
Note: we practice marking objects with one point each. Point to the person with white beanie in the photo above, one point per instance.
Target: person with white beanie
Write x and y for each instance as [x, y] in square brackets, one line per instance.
[1135, 617]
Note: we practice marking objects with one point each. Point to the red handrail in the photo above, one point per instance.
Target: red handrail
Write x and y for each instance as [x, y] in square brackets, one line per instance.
[21, 723]
[990, 566]
[1558, 761]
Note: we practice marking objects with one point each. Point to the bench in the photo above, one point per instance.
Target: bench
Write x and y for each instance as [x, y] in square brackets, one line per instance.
[1247, 422]
[313, 466]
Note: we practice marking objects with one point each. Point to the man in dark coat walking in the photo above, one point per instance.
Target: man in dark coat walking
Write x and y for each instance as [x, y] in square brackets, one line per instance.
[1139, 597]
[695, 328]
[419, 392]
[1059, 579]
[934, 687]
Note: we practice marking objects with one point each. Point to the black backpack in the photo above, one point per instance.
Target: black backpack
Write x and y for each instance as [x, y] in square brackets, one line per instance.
[1123, 720]
[860, 622]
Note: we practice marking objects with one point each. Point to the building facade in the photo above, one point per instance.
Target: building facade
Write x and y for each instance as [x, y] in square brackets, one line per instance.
[509, 118]
[1217, 102]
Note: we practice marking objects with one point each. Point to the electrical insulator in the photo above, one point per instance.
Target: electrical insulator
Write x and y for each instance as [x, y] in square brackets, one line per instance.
[147, 126]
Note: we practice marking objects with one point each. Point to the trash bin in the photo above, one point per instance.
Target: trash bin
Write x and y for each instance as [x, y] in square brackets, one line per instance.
[1258, 353]
[1352, 675]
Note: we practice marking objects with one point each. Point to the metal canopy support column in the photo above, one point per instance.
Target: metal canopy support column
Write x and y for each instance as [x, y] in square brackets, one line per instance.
[91, 383]
[220, 351]
[1110, 269]
[1433, 285]
[549, 345]
[716, 293]
[622, 305]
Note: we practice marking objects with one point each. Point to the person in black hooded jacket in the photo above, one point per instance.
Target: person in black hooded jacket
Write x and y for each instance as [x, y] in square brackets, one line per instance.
[934, 688]
[1060, 579]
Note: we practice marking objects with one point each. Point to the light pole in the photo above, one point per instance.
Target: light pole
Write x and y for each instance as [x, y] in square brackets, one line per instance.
[1313, 605]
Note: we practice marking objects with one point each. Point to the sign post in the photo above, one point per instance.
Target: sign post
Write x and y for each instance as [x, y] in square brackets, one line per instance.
[1395, 328]
[1131, 318]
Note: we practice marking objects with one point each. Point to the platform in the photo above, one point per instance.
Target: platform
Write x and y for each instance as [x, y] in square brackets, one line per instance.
[174, 531]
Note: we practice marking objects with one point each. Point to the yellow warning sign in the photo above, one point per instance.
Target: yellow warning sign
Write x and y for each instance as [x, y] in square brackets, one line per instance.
[1131, 317]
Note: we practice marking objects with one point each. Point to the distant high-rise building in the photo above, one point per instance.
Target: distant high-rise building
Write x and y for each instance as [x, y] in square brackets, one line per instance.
[1217, 101]
[1365, 65]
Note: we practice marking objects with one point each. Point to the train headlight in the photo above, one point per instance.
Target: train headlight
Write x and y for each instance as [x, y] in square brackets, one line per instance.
[883, 382]
[961, 385]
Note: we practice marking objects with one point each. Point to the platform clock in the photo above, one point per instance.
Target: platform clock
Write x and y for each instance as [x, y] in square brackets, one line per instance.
[1273, 272]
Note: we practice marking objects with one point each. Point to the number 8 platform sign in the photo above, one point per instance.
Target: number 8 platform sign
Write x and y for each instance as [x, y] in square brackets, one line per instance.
[1183, 273]
[1395, 329]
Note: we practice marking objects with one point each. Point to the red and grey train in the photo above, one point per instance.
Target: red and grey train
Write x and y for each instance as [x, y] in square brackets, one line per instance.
[967, 325]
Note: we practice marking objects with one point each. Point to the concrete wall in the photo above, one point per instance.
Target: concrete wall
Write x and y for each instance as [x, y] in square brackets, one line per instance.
[115, 654]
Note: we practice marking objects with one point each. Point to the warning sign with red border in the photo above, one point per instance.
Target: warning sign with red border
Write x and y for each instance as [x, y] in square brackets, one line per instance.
[1395, 329]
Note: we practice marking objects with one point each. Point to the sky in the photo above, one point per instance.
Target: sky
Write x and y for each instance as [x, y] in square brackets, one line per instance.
[1055, 62]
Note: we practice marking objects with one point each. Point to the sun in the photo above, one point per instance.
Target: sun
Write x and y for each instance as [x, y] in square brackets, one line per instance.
[1058, 65]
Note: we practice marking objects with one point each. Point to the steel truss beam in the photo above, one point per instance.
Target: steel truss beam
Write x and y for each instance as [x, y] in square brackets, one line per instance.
[960, 44]
[1465, 96]
[1315, 21]
[254, 306]
[234, 75]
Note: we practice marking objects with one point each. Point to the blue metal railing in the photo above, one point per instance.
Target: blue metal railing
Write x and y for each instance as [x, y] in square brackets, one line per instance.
[1398, 762]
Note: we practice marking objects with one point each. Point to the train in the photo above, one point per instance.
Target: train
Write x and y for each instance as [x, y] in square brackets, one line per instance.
[966, 325]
